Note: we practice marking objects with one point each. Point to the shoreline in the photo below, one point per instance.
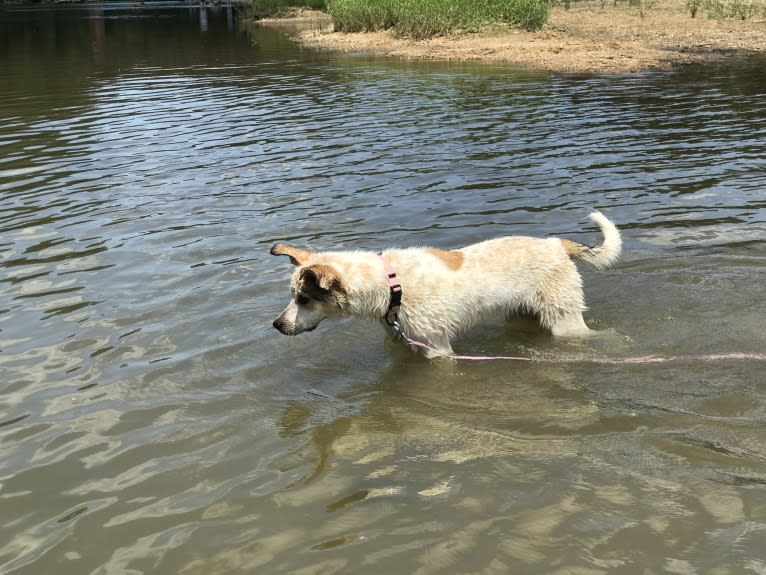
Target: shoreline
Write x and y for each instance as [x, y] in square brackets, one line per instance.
[589, 37]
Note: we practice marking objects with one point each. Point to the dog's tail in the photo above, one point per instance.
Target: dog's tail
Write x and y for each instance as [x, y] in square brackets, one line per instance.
[603, 255]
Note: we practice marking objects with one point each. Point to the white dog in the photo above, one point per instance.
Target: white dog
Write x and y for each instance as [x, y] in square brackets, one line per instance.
[431, 295]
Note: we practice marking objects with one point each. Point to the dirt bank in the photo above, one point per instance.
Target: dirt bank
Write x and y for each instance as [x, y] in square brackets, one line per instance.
[589, 37]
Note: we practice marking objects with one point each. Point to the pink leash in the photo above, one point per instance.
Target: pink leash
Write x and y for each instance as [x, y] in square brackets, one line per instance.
[646, 359]
[392, 319]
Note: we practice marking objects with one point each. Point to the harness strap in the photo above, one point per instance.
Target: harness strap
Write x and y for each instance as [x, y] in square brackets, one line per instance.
[395, 291]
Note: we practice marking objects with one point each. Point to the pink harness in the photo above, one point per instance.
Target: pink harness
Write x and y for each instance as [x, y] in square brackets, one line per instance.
[395, 300]
[392, 319]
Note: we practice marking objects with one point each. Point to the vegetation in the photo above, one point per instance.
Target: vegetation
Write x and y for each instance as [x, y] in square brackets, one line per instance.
[416, 18]
[426, 18]
[642, 5]
[258, 9]
[715, 9]
[742, 9]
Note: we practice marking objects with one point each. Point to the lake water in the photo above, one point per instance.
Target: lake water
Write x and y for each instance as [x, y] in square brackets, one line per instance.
[152, 422]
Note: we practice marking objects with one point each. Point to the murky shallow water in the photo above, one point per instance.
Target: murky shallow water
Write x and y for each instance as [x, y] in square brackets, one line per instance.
[150, 422]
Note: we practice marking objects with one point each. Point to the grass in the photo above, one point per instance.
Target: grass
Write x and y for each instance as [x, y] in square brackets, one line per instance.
[416, 18]
[714, 9]
[741, 9]
[426, 18]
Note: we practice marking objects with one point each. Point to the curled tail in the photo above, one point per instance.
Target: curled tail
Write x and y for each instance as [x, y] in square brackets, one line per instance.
[601, 256]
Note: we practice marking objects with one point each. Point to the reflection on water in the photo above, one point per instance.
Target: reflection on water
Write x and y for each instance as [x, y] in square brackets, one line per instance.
[150, 421]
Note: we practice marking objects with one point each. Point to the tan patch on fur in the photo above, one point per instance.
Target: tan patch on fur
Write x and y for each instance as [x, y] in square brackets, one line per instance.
[573, 249]
[297, 256]
[321, 276]
[453, 260]
[322, 281]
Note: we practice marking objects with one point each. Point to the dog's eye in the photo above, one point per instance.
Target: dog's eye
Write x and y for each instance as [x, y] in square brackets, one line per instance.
[302, 299]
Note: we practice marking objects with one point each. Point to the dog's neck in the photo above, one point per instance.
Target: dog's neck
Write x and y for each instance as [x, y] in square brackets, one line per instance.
[394, 292]
[365, 279]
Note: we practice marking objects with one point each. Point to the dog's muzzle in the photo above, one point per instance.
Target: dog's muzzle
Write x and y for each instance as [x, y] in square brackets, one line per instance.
[283, 328]
[286, 328]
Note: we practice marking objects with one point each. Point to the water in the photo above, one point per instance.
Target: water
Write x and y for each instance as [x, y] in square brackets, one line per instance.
[151, 422]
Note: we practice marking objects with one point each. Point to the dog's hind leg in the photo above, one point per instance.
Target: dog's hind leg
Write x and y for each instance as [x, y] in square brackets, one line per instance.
[561, 309]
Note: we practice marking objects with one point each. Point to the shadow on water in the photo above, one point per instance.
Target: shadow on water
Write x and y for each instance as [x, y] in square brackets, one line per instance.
[57, 54]
[474, 464]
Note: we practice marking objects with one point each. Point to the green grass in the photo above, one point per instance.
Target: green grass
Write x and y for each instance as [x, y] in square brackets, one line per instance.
[426, 18]
[416, 18]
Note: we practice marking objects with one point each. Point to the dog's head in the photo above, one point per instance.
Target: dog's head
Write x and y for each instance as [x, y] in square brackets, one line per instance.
[317, 292]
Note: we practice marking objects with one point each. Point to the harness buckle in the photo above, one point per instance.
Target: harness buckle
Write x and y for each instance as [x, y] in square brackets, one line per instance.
[395, 296]
[397, 328]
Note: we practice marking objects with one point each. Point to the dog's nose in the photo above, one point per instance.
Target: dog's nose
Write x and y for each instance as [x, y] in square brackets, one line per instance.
[277, 325]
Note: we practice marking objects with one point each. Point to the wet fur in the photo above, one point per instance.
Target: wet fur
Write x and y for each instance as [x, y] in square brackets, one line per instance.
[446, 292]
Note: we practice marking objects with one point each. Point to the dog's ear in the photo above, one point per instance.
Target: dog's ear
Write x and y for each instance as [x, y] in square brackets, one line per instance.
[297, 255]
[324, 283]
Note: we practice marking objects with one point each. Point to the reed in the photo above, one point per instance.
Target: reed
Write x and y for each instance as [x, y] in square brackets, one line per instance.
[426, 18]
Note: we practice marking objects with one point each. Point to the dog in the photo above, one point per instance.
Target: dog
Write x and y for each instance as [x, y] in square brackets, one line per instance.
[431, 295]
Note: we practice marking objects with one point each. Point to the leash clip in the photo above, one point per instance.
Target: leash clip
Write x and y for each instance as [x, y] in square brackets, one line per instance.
[397, 328]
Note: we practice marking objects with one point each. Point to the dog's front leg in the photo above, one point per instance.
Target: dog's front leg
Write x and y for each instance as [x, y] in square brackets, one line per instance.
[438, 346]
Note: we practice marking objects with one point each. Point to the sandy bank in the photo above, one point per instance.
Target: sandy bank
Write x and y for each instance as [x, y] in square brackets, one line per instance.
[589, 37]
